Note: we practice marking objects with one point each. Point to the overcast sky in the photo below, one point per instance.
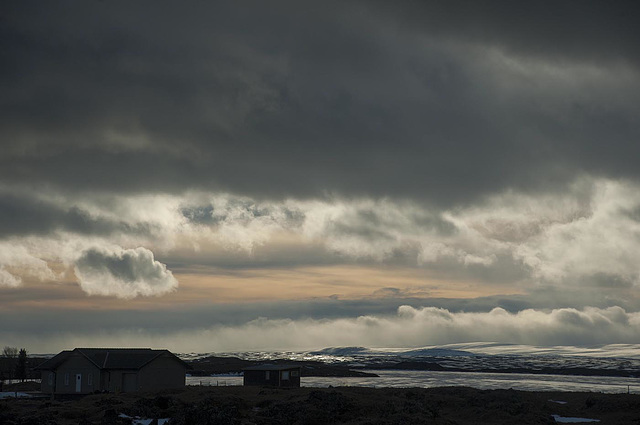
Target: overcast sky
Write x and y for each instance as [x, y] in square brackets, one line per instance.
[217, 176]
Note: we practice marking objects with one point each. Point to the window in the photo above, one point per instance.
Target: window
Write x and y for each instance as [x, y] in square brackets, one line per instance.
[66, 378]
[90, 379]
[295, 373]
[267, 375]
[285, 375]
[51, 379]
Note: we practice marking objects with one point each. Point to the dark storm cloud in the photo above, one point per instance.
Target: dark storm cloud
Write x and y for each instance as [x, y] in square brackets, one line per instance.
[412, 100]
[23, 215]
[503, 269]
[369, 224]
[179, 319]
[565, 30]
[238, 327]
[162, 319]
[262, 257]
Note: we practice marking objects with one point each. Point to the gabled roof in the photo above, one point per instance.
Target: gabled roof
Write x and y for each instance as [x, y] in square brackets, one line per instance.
[54, 361]
[268, 366]
[111, 358]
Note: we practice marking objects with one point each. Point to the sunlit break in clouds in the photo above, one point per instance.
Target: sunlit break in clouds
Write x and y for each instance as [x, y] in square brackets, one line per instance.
[219, 177]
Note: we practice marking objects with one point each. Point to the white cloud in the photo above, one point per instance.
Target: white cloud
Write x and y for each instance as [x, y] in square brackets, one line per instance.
[604, 240]
[124, 273]
[9, 280]
[26, 257]
[242, 224]
[562, 238]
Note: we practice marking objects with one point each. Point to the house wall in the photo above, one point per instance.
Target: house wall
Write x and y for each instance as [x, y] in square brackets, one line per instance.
[63, 380]
[272, 377]
[260, 377]
[115, 380]
[163, 372]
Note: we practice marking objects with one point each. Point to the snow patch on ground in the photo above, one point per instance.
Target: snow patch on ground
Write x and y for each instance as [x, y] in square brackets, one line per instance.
[566, 420]
[136, 420]
[11, 394]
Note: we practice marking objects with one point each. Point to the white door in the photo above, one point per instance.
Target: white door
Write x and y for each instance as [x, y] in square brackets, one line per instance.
[78, 382]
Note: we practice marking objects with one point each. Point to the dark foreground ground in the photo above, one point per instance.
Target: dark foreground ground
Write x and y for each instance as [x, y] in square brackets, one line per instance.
[309, 406]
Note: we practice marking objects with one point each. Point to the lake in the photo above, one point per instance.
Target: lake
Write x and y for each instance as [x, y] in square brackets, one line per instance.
[427, 379]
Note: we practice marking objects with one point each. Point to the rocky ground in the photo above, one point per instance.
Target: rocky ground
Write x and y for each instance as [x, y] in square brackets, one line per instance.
[345, 405]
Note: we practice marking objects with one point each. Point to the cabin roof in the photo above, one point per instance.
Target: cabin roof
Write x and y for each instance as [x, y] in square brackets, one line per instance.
[110, 358]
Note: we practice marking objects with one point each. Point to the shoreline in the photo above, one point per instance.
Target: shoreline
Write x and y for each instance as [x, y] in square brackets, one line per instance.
[213, 365]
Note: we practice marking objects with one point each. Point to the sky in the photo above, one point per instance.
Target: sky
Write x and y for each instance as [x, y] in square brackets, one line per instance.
[291, 175]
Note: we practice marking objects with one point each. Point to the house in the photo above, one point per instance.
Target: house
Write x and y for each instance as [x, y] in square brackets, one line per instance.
[87, 370]
[277, 375]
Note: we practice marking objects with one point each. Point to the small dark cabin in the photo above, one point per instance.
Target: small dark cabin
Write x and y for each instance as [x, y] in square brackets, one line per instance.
[276, 375]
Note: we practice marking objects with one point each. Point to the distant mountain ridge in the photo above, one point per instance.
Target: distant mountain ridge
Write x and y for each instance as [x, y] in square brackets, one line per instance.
[416, 352]
[607, 360]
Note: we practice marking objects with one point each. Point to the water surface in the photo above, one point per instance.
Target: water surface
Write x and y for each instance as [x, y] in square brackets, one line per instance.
[428, 379]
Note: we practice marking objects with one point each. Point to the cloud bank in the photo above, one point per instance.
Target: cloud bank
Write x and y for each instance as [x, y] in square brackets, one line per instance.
[416, 327]
[409, 327]
[358, 99]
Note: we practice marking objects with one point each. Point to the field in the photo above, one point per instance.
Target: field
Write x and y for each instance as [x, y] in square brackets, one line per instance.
[344, 405]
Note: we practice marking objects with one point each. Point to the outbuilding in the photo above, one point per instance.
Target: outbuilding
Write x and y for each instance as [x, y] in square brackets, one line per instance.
[276, 375]
[88, 370]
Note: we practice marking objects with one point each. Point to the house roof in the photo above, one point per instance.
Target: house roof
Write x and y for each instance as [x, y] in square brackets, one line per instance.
[110, 358]
[268, 366]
